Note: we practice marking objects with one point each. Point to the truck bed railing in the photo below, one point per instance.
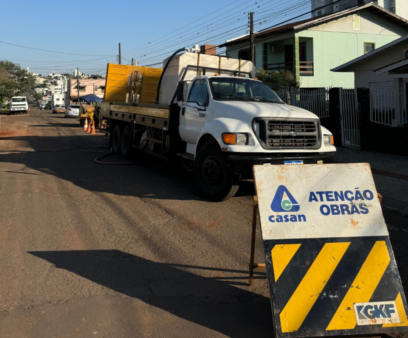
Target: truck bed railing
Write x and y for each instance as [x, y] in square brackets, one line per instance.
[217, 70]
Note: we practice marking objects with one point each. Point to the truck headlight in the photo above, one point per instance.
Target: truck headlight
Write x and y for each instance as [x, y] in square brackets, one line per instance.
[232, 138]
[328, 139]
[241, 139]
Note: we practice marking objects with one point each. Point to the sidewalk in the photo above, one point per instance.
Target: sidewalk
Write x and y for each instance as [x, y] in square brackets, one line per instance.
[390, 174]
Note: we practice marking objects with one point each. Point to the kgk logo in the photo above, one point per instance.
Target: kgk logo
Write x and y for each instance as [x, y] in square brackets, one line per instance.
[284, 201]
[376, 313]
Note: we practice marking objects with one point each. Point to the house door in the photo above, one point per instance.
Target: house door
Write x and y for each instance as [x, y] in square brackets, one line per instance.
[289, 57]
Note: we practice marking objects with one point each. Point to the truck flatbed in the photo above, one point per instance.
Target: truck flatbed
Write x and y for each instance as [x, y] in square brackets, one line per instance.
[129, 112]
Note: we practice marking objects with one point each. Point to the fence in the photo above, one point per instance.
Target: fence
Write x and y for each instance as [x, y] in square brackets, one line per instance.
[349, 117]
[314, 100]
[383, 106]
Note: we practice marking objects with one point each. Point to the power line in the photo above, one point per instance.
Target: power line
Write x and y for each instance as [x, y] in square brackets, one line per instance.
[173, 46]
[50, 51]
[133, 51]
[203, 29]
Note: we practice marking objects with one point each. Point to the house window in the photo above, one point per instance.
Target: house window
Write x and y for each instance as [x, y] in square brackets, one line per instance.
[102, 89]
[81, 88]
[265, 55]
[368, 47]
[244, 54]
[319, 13]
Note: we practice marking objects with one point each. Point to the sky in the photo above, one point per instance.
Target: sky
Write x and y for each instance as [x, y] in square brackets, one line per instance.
[148, 31]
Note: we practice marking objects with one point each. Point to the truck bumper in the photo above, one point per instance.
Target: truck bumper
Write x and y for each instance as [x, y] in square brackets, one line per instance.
[242, 163]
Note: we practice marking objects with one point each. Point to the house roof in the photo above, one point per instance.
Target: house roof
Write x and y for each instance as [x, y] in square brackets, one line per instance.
[392, 66]
[349, 66]
[304, 24]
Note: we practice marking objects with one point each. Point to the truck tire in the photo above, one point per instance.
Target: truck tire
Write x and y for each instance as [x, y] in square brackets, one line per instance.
[116, 139]
[126, 142]
[212, 175]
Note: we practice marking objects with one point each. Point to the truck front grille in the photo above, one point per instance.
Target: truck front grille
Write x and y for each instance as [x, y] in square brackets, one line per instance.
[279, 134]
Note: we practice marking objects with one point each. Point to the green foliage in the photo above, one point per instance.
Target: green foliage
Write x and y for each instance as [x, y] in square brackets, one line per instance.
[48, 105]
[14, 80]
[38, 96]
[276, 80]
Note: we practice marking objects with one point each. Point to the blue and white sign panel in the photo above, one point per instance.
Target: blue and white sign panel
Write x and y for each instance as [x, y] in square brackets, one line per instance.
[317, 201]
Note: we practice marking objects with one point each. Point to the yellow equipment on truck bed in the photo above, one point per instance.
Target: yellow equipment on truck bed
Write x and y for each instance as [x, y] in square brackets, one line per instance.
[131, 84]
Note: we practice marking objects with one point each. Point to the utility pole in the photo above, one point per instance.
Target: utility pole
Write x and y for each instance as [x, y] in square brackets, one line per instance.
[78, 84]
[132, 61]
[252, 38]
[120, 55]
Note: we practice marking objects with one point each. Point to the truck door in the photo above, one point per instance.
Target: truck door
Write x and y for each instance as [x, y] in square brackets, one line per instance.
[193, 113]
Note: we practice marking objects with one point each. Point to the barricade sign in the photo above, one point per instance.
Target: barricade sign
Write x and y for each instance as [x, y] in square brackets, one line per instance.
[330, 265]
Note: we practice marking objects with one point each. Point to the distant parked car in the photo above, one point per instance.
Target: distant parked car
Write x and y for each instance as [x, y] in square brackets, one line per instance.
[19, 104]
[72, 111]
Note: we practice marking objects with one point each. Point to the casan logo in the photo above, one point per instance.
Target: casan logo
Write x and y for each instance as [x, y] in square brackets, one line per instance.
[285, 202]
[376, 313]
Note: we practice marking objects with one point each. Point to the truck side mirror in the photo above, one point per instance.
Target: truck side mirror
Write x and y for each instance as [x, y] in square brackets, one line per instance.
[180, 91]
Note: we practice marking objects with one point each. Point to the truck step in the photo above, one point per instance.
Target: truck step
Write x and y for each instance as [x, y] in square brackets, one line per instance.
[187, 156]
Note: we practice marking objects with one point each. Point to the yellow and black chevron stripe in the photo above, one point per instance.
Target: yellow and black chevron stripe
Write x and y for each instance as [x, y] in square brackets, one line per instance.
[315, 282]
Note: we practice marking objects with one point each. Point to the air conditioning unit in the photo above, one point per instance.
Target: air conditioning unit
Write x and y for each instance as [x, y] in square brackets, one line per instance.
[276, 49]
[405, 53]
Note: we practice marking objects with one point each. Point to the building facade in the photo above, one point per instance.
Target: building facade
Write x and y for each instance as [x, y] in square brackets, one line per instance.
[324, 7]
[312, 47]
[85, 87]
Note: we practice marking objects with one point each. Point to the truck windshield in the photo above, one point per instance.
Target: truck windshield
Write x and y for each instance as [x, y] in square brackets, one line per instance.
[19, 99]
[242, 89]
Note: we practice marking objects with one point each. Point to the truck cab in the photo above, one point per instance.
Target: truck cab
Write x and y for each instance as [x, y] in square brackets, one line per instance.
[232, 123]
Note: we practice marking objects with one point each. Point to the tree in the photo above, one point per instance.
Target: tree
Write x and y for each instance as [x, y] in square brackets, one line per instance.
[38, 96]
[276, 80]
[14, 80]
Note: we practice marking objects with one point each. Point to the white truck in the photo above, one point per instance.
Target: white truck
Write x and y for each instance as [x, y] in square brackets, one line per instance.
[57, 102]
[220, 121]
[19, 104]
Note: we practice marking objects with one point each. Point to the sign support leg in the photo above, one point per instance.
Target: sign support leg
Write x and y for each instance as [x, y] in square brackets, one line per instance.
[254, 266]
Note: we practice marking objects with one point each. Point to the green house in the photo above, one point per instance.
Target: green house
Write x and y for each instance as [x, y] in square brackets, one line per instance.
[311, 48]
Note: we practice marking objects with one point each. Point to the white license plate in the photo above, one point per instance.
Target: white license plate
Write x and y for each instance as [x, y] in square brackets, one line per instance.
[294, 162]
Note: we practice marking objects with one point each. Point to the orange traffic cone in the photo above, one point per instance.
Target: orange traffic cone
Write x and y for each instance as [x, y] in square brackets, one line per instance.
[88, 130]
[86, 124]
[93, 128]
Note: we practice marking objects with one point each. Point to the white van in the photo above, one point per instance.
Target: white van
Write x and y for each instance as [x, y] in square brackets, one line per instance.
[19, 104]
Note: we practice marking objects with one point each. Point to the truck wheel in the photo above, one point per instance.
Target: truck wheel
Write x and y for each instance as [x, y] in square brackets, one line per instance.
[126, 144]
[212, 176]
[116, 139]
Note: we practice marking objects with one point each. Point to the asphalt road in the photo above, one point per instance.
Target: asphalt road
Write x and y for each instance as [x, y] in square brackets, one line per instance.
[90, 250]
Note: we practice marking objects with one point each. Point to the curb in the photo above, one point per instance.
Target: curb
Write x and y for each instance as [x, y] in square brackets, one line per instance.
[395, 211]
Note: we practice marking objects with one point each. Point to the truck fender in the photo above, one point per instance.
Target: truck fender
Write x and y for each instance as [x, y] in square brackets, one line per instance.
[216, 127]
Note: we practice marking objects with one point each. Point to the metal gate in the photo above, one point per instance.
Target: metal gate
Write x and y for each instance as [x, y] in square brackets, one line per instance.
[350, 122]
[315, 100]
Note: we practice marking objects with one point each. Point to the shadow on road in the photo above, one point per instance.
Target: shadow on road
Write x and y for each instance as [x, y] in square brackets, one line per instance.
[208, 302]
[71, 158]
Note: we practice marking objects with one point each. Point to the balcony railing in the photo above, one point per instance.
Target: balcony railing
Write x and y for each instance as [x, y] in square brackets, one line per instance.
[305, 67]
